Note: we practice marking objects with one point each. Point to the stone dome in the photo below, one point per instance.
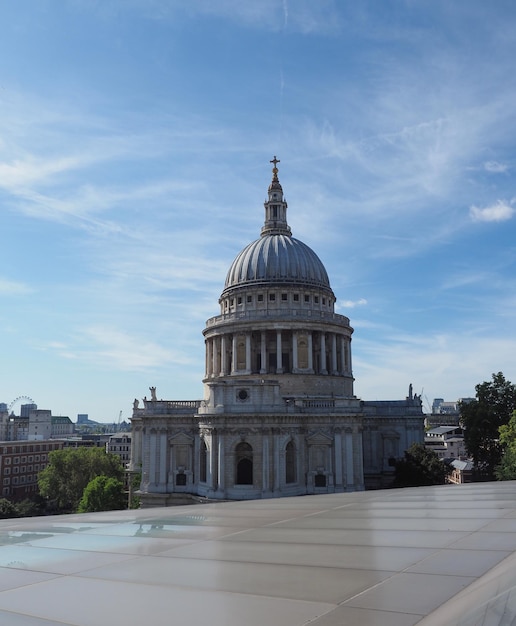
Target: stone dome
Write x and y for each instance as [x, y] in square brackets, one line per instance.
[277, 259]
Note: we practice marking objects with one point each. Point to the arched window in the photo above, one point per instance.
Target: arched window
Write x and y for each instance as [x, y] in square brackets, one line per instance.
[290, 463]
[203, 462]
[244, 464]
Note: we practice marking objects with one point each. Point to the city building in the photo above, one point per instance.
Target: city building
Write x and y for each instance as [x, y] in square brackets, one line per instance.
[20, 463]
[33, 424]
[445, 413]
[279, 416]
[446, 441]
[120, 444]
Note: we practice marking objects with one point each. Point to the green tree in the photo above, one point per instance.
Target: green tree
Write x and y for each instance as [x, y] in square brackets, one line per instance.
[420, 466]
[9, 509]
[506, 470]
[482, 418]
[135, 479]
[103, 494]
[24, 508]
[69, 471]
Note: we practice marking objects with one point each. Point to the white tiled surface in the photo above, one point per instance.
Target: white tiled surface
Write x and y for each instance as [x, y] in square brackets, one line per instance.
[378, 558]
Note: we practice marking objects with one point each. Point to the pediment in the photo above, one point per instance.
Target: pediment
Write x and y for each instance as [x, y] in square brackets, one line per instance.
[181, 439]
[319, 439]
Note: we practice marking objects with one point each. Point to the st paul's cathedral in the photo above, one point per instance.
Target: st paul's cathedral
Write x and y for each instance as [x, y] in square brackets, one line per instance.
[279, 416]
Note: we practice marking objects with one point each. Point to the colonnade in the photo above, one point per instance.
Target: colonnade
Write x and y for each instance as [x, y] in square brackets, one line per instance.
[277, 352]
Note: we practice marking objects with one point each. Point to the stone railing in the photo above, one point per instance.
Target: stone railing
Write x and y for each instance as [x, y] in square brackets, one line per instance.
[169, 407]
[316, 404]
[280, 314]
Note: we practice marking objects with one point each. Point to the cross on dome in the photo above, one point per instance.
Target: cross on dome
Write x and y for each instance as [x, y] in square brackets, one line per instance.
[275, 169]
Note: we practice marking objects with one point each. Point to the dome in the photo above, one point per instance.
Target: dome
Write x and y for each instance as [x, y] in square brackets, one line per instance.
[277, 259]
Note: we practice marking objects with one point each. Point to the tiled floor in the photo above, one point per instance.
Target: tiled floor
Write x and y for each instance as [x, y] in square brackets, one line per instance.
[379, 558]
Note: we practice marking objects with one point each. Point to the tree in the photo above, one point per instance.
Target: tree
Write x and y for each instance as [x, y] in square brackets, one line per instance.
[103, 494]
[481, 419]
[8, 509]
[24, 508]
[506, 470]
[420, 466]
[69, 471]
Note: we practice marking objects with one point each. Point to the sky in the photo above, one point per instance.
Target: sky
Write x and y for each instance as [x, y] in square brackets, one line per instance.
[135, 140]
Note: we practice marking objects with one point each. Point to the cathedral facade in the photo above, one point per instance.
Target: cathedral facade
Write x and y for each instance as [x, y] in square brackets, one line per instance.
[279, 416]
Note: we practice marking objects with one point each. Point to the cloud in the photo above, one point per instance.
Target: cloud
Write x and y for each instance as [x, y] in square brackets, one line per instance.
[351, 304]
[11, 288]
[495, 167]
[31, 169]
[442, 365]
[109, 347]
[305, 16]
[500, 211]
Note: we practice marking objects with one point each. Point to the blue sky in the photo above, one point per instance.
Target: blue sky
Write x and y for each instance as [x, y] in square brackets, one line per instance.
[135, 139]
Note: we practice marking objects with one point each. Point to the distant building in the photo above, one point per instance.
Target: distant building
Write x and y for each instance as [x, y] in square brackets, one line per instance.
[26, 409]
[20, 463]
[120, 444]
[445, 413]
[83, 420]
[446, 441]
[62, 426]
[461, 471]
[33, 424]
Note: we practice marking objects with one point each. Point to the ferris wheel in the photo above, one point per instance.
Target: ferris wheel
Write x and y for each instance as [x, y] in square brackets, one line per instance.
[17, 402]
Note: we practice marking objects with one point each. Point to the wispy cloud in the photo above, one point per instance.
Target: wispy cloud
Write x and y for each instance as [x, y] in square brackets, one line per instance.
[500, 211]
[109, 347]
[351, 304]
[495, 167]
[12, 288]
[304, 16]
[442, 365]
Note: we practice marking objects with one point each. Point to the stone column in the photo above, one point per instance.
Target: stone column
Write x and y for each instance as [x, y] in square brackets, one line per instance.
[295, 365]
[153, 458]
[248, 353]
[323, 355]
[276, 450]
[215, 369]
[263, 351]
[310, 352]
[265, 464]
[163, 460]
[279, 353]
[343, 368]
[234, 354]
[338, 461]
[212, 468]
[136, 449]
[350, 474]
[334, 370]
[209, 357]
[223, 363]
[221, 486]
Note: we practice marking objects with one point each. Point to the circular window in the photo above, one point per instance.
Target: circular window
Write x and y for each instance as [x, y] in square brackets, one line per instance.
[242, 394]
